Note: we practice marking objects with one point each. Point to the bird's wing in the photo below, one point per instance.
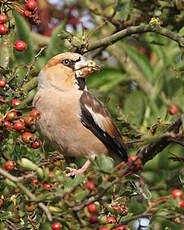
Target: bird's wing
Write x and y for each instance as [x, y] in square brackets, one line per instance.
[97, 119]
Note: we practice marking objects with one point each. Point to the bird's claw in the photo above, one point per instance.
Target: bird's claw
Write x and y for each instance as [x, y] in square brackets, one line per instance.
[74, 172]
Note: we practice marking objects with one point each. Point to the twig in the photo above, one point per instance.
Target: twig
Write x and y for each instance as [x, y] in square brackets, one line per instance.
[146, 215]
[11, 225]
[177, 142]
[25, 177]
[32, 63]
[97, 28]
[149, 151]
[109, 40]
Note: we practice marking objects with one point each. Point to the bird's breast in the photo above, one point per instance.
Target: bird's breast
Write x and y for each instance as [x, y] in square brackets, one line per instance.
[60, 123]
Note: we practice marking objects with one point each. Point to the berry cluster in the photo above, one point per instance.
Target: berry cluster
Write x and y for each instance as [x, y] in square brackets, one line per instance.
[114, 211]
[107, 220]
[31, 11]
[14, 121]
[178, 194]
[3, 28]
[19, 45]
[135, 163]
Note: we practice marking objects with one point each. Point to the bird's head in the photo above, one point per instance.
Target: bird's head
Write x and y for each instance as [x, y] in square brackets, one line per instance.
[67, 70]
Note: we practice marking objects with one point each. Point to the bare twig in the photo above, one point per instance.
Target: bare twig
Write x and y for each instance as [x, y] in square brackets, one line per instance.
[33, 63]
[97, 28]
[109, 40]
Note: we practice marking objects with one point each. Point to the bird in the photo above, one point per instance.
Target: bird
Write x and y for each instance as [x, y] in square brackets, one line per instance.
[72, 120]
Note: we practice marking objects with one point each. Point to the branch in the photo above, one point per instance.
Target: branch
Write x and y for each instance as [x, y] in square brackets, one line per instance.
[30, 66]
[134, 30]
[26, 191]
[149, 151]
[146, 215]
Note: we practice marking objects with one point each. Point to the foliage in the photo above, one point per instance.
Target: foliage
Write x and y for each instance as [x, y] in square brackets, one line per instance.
[140, 82]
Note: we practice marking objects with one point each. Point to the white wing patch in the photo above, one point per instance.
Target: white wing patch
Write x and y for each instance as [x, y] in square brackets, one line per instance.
[97, 117]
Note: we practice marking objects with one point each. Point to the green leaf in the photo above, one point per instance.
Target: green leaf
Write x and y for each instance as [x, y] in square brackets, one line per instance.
[106, 79]
[125, 8]
[5, 215]
[134, 107]
[141, 61]
[56, 45]
[23, 32]
[71, 183]
[105, 163]
[156, 44]
[80, 195]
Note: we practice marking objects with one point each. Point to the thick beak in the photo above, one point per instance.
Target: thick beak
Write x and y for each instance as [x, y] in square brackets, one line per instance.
[85, 67]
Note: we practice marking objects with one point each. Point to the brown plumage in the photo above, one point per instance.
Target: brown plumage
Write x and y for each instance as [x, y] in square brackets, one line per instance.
[72, 120]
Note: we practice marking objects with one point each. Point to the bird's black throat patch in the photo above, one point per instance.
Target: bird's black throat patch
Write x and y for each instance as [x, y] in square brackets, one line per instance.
[81, 82]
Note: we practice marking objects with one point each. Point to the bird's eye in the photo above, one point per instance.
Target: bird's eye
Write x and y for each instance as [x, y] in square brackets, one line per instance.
[66, 62]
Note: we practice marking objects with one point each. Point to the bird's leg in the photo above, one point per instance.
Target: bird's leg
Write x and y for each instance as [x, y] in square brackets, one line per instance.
[75, 172]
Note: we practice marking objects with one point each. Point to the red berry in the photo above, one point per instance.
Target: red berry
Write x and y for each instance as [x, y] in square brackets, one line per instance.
[91, 185]
[137, 163]
[9, 165]
[56, 226]
[35, 144]
[173, 110]
[181, 203]
[11, 116]
[1, 202]
[2, 83]
[19, 125]
[47, 186]
[122, 227]
[3, 29]
[116, 207]
[93, 219]
[7, 124]
[104, 228]
[177, 193]
[34, 181]
[27, 13]
[20, 45]
[28, 121]
[110, 220]
[27, 137]
[92, 207]
[31, 4]
[16, 102]
[51, 174]
[132, 158]
[35, 114]
[3, 18]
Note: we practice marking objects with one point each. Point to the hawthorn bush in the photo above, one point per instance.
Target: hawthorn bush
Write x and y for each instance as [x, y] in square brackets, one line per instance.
[141, 83]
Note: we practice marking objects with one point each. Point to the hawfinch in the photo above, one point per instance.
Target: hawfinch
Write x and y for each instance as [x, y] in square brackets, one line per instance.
[72, 120]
